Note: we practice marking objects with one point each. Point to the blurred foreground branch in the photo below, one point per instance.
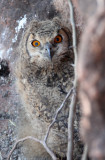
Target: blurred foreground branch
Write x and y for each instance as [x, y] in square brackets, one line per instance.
[91, 69]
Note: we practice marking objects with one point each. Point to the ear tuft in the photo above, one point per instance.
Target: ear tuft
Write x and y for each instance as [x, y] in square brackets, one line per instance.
[56, 21]
[34, 24]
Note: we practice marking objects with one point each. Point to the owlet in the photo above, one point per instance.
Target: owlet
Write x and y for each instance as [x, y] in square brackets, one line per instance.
[44, 76]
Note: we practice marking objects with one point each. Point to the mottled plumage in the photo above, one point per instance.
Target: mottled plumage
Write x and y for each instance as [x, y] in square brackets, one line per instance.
[43, 81]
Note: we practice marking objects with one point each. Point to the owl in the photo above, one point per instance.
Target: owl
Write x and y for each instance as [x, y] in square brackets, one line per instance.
[44, 76]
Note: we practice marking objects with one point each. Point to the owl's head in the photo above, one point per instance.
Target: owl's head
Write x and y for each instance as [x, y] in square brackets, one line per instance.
[46, 41]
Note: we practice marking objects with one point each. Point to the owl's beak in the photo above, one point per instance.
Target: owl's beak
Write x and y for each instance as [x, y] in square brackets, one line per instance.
[48, 47]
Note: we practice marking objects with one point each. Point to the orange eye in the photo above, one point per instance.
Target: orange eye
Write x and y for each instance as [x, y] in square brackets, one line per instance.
[58, 39]
[35, 43]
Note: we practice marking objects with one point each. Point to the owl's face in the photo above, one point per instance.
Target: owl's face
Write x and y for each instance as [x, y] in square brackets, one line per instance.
[47, 41]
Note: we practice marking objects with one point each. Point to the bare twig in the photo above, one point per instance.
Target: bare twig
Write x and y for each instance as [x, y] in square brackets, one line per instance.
[57, 112]
[36, 140]
[70, 126]
[74, 98]
[74, 39]
[84, 156]
[49, 151]
[18, 141]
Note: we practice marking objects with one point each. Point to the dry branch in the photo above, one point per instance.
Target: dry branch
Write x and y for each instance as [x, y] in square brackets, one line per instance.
[70, 126]
[57, 112]
[36, 140]
[85, 153]
[72, 106]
